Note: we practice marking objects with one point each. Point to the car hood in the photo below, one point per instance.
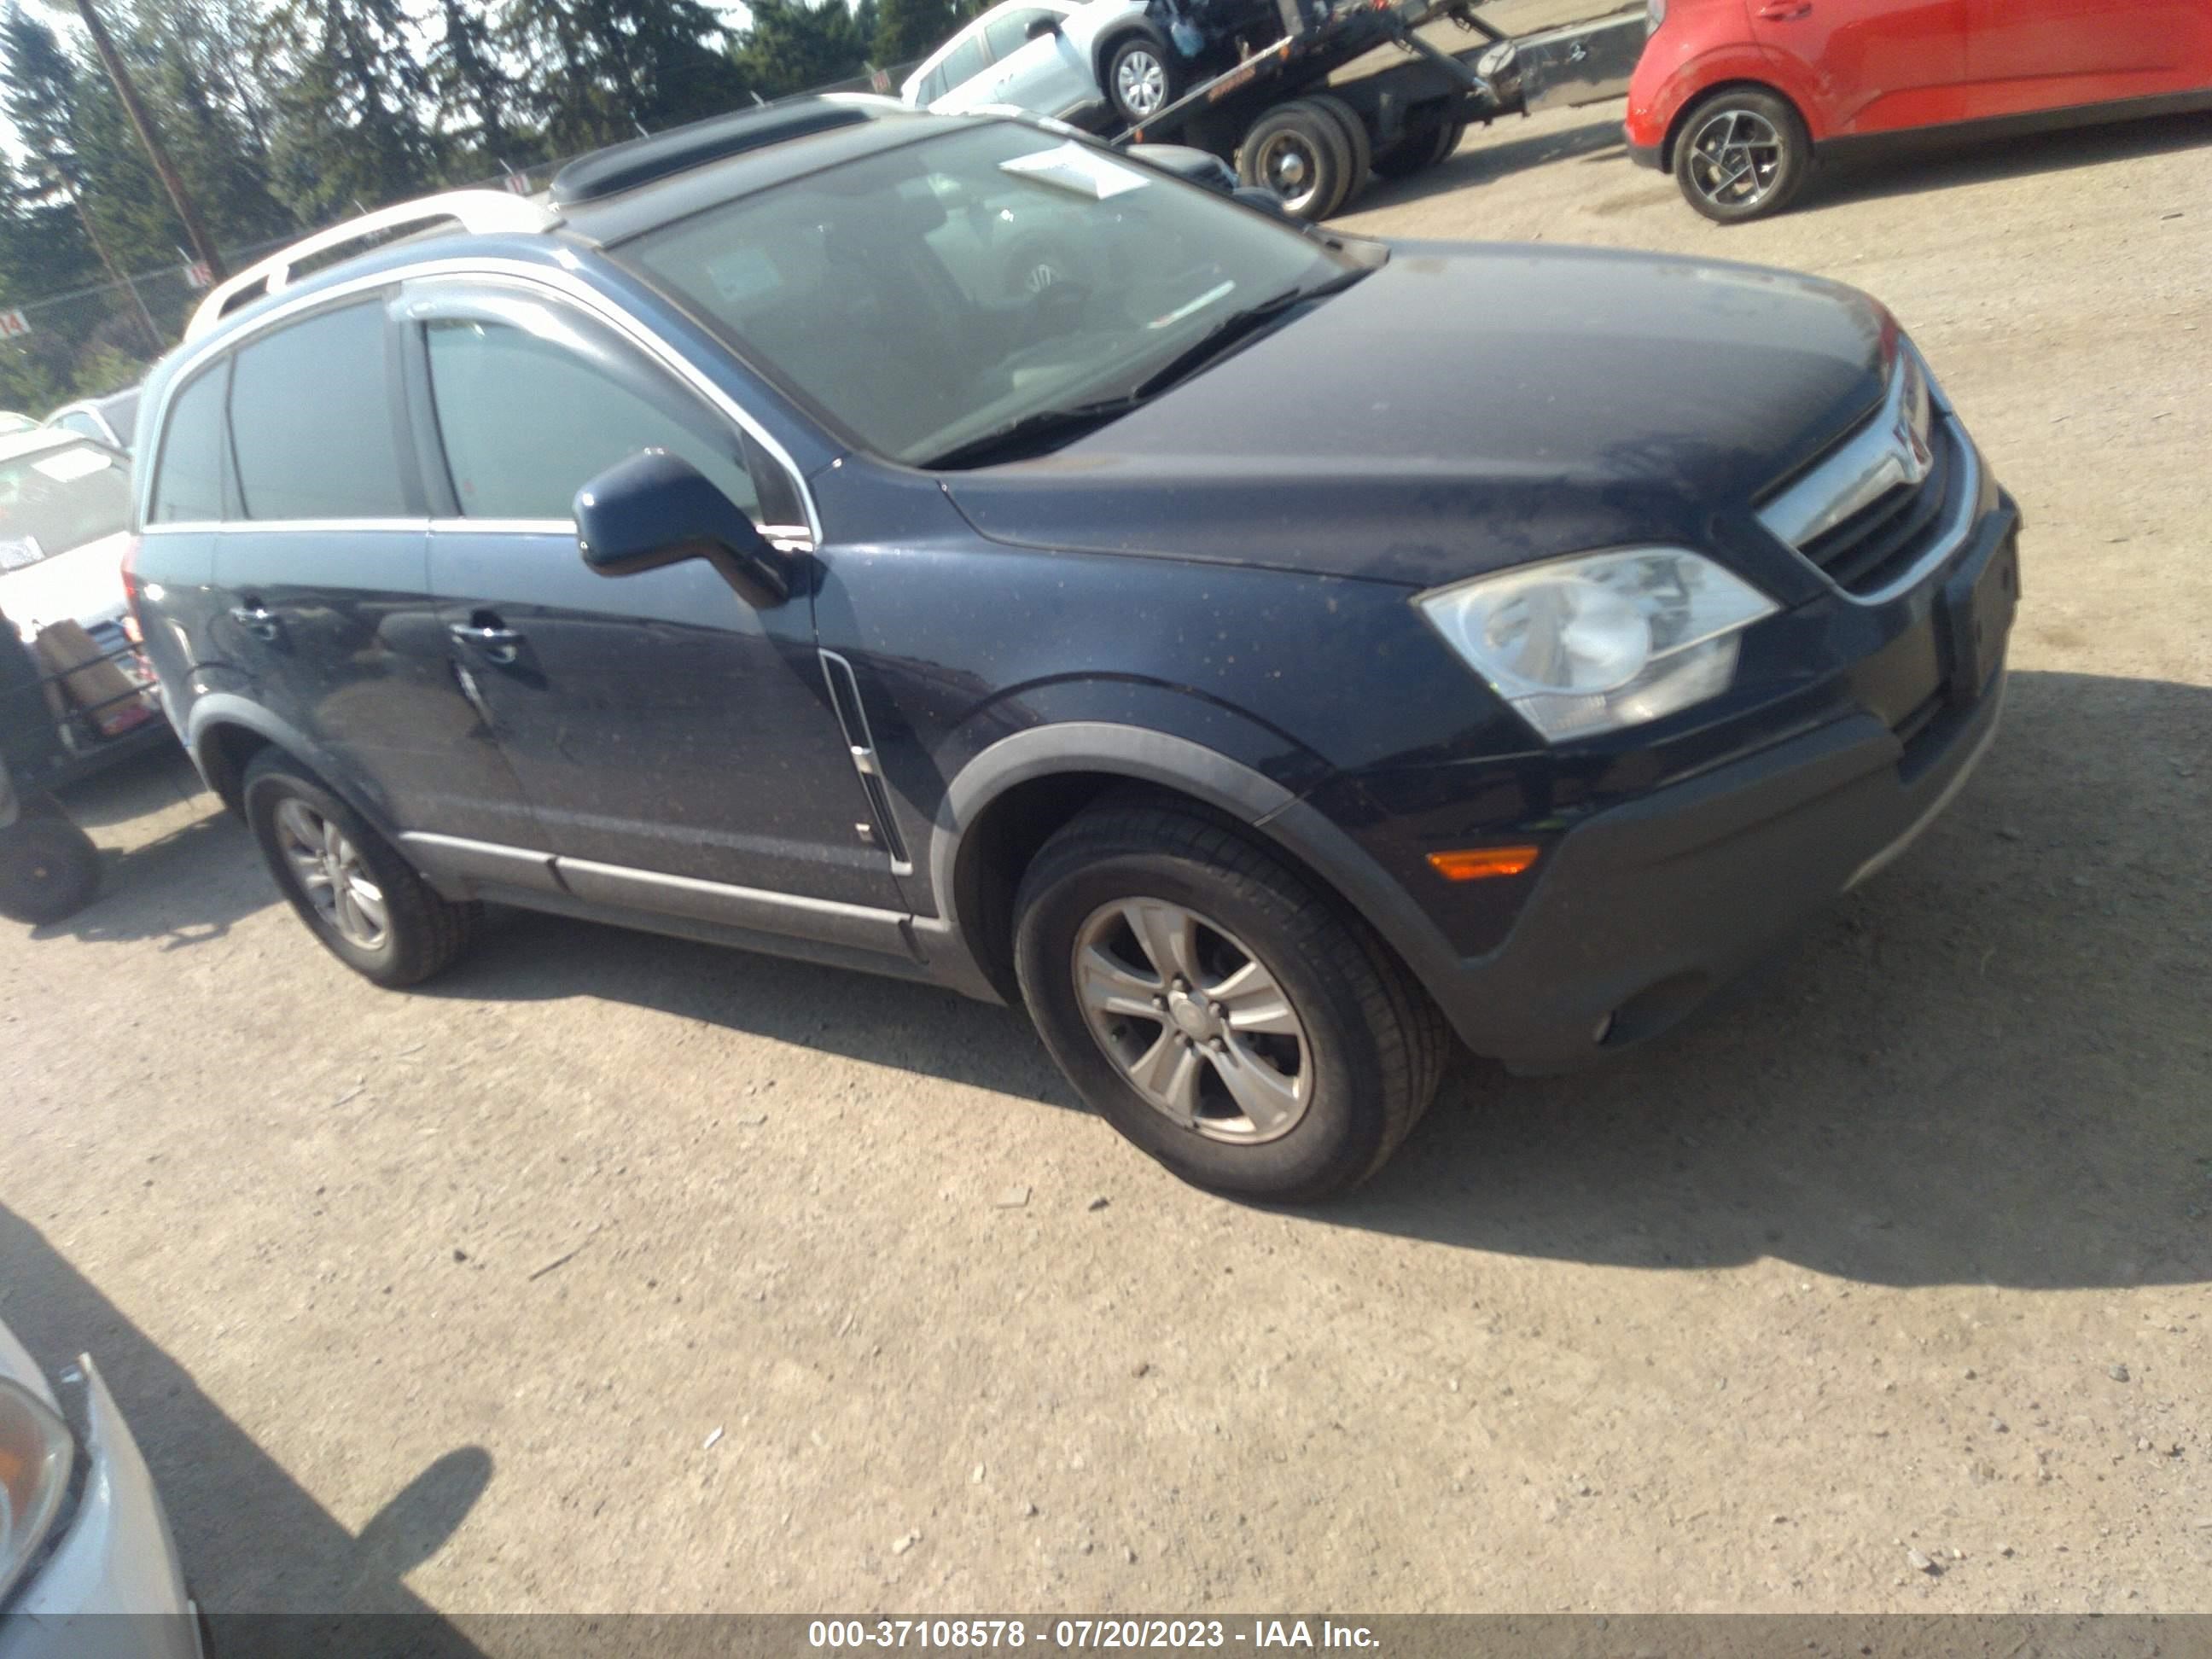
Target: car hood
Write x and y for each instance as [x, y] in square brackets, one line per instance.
[84, 584]
[1467, 408]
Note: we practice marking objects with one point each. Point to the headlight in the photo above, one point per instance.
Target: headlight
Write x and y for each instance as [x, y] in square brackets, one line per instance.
[1603, 641]
[36, 1454]
[1654, 14]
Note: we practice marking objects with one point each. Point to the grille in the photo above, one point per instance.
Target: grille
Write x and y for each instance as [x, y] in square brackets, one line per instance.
[1892, 534]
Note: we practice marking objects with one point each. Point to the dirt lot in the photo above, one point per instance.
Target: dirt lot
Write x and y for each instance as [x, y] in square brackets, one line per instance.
[445, 1298]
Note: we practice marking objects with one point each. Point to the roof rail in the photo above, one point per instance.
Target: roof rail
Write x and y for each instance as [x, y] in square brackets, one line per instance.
[479, 211]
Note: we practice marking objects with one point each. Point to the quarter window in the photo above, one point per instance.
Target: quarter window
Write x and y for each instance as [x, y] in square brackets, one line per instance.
[526, 422]
[311, 421]
[188, 483]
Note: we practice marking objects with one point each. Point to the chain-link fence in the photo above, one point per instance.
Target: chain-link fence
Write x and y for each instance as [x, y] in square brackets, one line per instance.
[104, 338]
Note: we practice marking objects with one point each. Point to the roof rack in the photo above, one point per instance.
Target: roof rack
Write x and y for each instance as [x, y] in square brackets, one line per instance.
[642, 160]
[478, 212]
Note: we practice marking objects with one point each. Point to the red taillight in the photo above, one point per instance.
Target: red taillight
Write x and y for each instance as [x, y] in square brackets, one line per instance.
[133, 628]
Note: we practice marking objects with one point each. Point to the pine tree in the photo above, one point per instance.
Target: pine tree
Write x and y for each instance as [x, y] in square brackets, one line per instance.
[909, 29]
[350, 127]
[793, 46]
[600, 71]
[475, 96]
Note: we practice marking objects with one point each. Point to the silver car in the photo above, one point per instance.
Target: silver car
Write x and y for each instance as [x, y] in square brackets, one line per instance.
[1103, 59]
[82, 1533]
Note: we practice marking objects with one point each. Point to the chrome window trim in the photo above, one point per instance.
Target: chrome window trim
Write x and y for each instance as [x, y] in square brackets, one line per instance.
[564, 284]
[502, 526]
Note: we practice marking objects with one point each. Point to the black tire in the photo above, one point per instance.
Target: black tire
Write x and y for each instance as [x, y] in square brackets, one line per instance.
[1768, 138]
[1357, 144]
[423, 933]
[49, 868]
[1374, 1045]
[1447, 142]
[1123, 52]
[1298, 151]
[1420, 149]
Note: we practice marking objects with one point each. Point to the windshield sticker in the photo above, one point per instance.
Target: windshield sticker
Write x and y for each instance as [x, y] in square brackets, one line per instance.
[744, 274]
[1079, 169]
[17, 551]
[70, 464]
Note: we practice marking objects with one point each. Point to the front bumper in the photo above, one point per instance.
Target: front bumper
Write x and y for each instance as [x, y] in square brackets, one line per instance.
[1645, 909]
[110, 1587]
[1645, 155]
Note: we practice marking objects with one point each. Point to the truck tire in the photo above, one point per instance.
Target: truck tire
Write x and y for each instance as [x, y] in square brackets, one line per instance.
[1298, 150]
[1356, 140]
[1224, 1014]
[1421, 147]
[1742, 155]
[364, 902]
[49, 868]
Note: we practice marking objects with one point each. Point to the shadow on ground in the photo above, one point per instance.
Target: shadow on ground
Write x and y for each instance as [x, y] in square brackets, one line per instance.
[1483, 159]
[1936, 160]
[1990, 1065]
[241, 1523]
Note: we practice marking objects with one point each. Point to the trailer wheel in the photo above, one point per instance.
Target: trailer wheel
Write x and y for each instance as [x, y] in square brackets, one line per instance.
[1356, 139]
[1298, 151]
[1422, 148]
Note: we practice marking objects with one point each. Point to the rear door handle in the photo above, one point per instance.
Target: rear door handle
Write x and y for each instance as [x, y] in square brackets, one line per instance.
[256, 619]
[489, 637]
[1786, 11]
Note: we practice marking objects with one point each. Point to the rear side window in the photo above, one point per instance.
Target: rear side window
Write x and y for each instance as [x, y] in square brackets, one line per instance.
[526, 422]
[964, 63]
[1009, 32]
[311, 421]
[188, 482]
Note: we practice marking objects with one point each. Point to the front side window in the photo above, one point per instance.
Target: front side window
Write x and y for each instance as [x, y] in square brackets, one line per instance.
[527, 421]
[188, 482]
[56, 499]
[925, 296]
[311, 422]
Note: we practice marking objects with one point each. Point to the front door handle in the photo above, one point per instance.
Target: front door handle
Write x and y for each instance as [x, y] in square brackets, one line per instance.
[1786, 11]
[256, 619]
[489, 637]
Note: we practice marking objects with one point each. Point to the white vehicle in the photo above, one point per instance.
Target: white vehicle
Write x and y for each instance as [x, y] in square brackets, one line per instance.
[1072, 61]
[64, 518]
[82, 1537]
[110, 419]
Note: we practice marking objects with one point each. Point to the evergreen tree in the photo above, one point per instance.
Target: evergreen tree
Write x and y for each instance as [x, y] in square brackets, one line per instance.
[599, 71]
[349, 125]
[475, 96]
[909, 29]
[793, 46]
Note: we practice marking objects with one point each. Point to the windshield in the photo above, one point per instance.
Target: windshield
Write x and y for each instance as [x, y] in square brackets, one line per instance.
[926, 295]
[58, 499]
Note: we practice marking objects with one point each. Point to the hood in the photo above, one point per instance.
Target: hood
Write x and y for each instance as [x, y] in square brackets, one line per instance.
[84, 584]
[1464, 409]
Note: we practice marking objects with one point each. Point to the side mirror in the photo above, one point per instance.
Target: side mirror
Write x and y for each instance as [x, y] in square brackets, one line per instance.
[1041, 27]
[657, 509]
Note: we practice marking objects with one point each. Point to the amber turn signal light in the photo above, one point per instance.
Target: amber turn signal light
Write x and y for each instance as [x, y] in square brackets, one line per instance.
[1481, 863]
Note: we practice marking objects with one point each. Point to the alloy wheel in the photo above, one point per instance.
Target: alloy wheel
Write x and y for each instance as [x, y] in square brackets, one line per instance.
[330, 871]
[1140, 83]
[1193, 1021]
[1736, 158]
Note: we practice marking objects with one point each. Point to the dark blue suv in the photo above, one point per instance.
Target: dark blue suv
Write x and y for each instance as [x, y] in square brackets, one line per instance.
[945, 547]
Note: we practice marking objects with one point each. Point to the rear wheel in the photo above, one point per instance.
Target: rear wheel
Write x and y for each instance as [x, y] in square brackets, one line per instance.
[1217, 1010]
[49, 868]
[1140, 79]
[1355, 143]
[365, 902]
[1420, 148]
[1742, 155]
[1298, 152]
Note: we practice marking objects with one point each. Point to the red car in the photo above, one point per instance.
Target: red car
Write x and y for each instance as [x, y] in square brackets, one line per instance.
[1736, 97]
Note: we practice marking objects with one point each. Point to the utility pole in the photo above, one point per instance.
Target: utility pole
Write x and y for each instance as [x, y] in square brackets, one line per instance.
[114, 272]
[127, 90]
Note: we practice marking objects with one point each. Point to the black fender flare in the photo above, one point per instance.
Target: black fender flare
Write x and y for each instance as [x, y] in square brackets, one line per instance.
[1229, 787]
[214, 708]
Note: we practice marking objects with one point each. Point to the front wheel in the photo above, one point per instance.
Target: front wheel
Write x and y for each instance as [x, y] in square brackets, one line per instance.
[1742, 155]
[1140, 79]
[1217, 1010]
[1298, 152]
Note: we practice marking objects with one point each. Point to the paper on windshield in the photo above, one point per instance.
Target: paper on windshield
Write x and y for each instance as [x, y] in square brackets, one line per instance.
[1079, 169]
[66, 465]
[17, 551]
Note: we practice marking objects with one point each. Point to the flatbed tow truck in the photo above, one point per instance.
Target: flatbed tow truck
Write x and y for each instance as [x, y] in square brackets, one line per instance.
[1312, 140]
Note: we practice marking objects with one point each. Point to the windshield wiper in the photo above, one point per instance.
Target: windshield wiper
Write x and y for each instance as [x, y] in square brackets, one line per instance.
[1236, 326]
[1027, 432]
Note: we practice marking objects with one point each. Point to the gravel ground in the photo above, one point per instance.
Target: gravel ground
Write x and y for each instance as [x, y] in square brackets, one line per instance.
[611, 1273]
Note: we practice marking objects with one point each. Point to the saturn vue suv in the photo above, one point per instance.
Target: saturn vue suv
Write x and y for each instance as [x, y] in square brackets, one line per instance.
[943, 546]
